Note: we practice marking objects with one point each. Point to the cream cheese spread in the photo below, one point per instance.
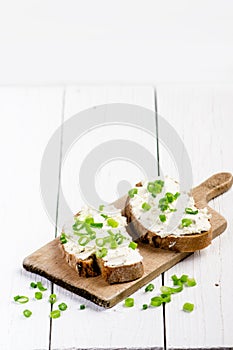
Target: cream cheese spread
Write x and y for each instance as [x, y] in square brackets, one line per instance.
[181, 217]
[104, 236]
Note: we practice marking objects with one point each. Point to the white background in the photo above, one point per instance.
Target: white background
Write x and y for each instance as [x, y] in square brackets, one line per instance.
[124, 41]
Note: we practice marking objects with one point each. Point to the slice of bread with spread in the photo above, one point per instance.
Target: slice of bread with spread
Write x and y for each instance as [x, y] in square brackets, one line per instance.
[96, 242]
[160, 214]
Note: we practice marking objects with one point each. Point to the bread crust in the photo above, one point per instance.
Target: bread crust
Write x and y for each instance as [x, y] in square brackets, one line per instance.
[93, 266]
[184, 243]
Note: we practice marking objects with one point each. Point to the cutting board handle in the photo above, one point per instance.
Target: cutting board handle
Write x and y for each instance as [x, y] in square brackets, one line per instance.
[214, 186]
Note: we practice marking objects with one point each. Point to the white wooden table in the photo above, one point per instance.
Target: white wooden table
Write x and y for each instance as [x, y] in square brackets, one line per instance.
[203, 118]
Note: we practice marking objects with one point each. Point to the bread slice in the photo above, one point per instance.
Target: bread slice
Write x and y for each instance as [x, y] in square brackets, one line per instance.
[120, 263]
[180, 243]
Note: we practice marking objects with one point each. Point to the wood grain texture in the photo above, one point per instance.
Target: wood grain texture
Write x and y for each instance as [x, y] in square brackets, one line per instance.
[49, 262]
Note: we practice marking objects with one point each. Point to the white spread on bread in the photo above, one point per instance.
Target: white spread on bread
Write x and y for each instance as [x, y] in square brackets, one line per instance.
[150, 219]
[118, 256]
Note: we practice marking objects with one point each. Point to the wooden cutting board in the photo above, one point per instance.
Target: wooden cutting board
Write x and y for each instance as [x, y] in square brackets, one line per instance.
[48, 262]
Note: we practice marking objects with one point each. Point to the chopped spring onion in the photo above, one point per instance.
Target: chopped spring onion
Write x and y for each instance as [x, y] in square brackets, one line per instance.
[27, 313]
[162, 218]
[63, 239]
[83, 240]
[101, 207]
[146, 206]
[62, 306]
[156, 301]
[191, 211]
[163, 204]
[21, 299]
[55, 314]
[132, 192]
[129, 302]
[102, 253]
[119, 238]
[33, 284]
[175, 279]
[99, 242]
[52, 298]
[149, 288]
[38, 295]
[166, 298]
[113, 244]
[186, 222]
[155, 187]
[144, 306]
[104, 216]
[133, 245]
[191, 282]
[41, 287]
[89, 220]
[170, 197]
[111, 222]
[188, 307]
[82, 307]
[183, 278]
[97, 224]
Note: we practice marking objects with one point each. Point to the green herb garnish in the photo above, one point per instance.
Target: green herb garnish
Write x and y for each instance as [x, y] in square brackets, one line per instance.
[186, 222]
[21, 299]
[133, 245]
[156, 301]
[111, 222]
[129, 302]
[191, 211]
[144, 306]
[82, 307]
[52, 298]
[102, 253]
[33, 284]
[62, 306]
[101, 207]
[190, 282]
[162, 218]
[149, 288]
[96, 224]
[38, 295]
[132, 192]
[188, 307]
[27, 313]
[55, 314]
[146, 206]
[63, 239]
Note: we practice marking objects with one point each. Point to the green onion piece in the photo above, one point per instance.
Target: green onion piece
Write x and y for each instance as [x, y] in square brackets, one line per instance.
[41, 287]
[111, 222]
[113, 244]
[27, 313]
[166, 290]
[170, 197]
[21, 299]
[156, 301]
[88, 229]
[119, 238]
[191, 282]
[178, 289]
[52, 298]
[176, 195]
[104, 216]
[163, 204]
[55, 314]
[38, 295]
[183, 278]
[133, 245]
[146, 206]
[175, 279]
[83, 240]
[62, 306]
[186, 222]
[162, 218]
[93, 235]
[166, 298]
[97, 224]
[89, 220]
[149, 288]
[188, 307]
[99, 242]
[129, 302]
[102, 253]
[144, 306]
[63, 240]
[132, 192]
[101, 207]
[33, 284]
[155, 187]
[191, 211]
[110, 233]
[82, 307]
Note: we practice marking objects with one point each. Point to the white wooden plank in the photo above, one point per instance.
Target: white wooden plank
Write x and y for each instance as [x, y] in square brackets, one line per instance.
[28, 119]
[96, 327]
[202, 118]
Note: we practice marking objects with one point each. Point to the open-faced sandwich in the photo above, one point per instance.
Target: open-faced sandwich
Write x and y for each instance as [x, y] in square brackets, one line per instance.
[161, 215]
[96, 242]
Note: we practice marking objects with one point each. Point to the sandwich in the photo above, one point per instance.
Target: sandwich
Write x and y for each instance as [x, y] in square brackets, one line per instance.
[95, 242]
[160, 214]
